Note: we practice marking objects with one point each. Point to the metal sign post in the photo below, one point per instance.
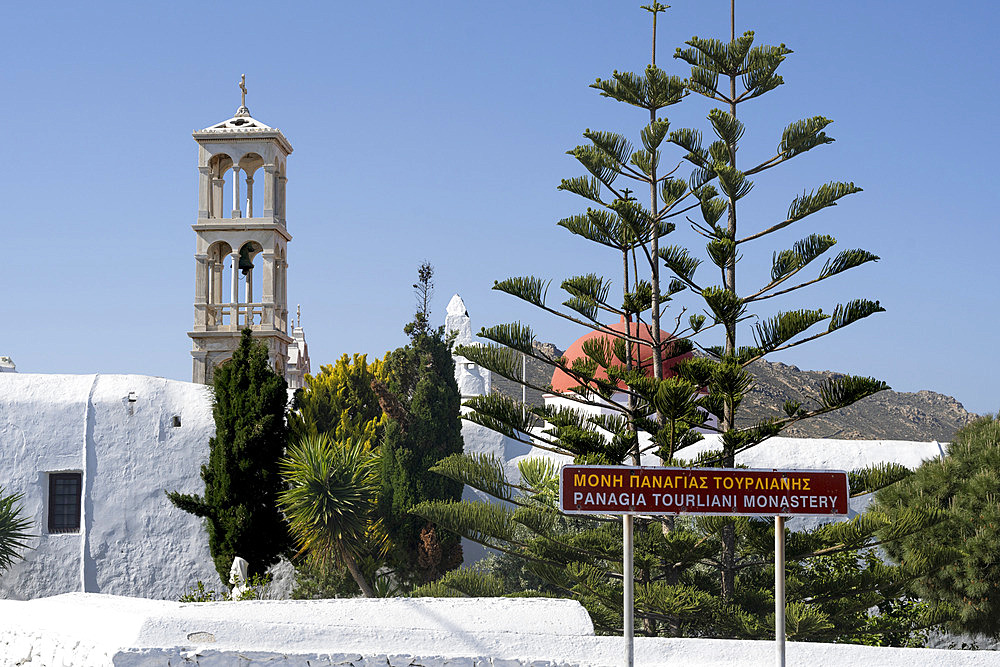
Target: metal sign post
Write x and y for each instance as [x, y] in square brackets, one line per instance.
[779, 590]
[628, 617]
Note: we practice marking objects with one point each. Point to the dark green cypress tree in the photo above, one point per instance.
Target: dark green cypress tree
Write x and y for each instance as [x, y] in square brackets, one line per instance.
[422, 401]
[241, 477]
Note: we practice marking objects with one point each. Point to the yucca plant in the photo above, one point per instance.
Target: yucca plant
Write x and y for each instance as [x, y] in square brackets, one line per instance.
[14, 527]
[330, 500]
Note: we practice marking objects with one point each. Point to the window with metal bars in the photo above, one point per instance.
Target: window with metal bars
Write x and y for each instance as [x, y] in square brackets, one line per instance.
[64, 501]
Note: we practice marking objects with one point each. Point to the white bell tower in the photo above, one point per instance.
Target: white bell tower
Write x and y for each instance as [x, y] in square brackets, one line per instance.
[241, 252]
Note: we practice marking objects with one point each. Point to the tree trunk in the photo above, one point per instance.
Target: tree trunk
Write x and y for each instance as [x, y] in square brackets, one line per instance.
[728, 555]
[359, 579]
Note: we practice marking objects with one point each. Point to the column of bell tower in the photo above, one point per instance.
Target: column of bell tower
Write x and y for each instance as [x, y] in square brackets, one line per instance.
[241, 242]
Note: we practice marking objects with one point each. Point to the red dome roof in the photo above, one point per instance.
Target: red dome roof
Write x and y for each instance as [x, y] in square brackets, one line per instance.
[561, 382]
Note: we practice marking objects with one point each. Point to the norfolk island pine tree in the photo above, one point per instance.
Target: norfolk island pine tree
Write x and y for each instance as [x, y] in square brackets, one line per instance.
[608, 157]
[733, 73]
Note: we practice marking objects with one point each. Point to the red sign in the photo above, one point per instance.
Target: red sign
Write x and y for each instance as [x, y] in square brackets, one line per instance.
[720, 491]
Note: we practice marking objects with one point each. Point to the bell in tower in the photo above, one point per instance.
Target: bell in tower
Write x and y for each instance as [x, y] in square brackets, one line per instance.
[242, 241]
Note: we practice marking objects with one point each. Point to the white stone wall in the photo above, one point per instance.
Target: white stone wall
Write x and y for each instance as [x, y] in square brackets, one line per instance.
[100, 631]
[131, 541]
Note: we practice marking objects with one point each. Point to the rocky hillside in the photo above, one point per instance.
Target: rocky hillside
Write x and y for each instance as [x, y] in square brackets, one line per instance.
[888, 415]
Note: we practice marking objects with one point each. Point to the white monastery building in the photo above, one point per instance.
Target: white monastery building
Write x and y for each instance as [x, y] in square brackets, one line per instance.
[93, 455]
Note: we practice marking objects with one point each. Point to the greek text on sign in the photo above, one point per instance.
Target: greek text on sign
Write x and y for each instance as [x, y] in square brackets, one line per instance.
[720, 491]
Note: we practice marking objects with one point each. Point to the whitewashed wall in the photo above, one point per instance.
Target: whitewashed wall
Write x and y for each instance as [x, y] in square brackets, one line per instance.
[100, 631]
[132, 541]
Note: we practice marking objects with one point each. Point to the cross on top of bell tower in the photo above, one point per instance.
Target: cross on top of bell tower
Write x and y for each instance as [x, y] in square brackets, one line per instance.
[243, 124]
[243, 111]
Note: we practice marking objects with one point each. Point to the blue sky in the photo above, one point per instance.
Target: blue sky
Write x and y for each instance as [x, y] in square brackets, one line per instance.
[438, 131]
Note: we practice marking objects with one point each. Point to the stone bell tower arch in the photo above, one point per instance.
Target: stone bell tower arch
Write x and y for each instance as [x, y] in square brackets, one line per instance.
[242, 242]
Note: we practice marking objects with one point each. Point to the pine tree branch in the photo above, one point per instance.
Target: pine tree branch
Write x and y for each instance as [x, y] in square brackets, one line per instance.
[788, 263]
[717, 461]
[670, 213]
[759, 296]
[570, 547]
[823, 276]
[701, 229]
[607, 600]
[629, 172]
[533, 440]
[769, 230]
[471, 354]
[716, 95]
[502, 549]
[786, 346]
[843, 547]
[686, 280]
[808, 203]
[781, 423]
[609, 184]
[602, 328]
[778, 159]
[767, 164]
[669, 173]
